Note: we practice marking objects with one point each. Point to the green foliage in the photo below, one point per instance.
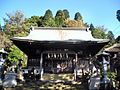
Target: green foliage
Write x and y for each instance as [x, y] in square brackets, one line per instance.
[4, 41]
[112, 75]
[91, 27]
[49, 23]
[78, 16]
[14, 24]
[110, 36]
[16, 54]
[74, 23]
[33, 21]
[70, 23]
[48, 20]
[99, 33]
[118, 15]
[59, 18]
[78, 20]
[48, 14]
[66, 13]
[118, 39]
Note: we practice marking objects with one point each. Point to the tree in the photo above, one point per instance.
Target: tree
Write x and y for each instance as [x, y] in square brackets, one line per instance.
[73, 23]
[118, 39]
[14, 24]
[48, 14]
[0, 27]
[118, 15]
[66, 13]
[78, 19]
[48, 20]
[70, 23]
[78, 16]
[91, 27]
[16, 18]
[59, 18]
[32, 21]
[86, 25]
[110, 36]
[4, 41]
[99, 32]
[16, 54]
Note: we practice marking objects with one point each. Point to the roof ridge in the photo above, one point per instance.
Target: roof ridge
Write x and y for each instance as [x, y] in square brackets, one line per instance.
[60, 28]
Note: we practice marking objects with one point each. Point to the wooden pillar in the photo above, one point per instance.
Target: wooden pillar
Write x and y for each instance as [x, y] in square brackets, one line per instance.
[75, 68]
[90, 65]
[41, 68]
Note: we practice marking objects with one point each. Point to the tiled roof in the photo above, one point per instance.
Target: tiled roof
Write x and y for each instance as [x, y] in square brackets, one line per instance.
[114, 48]
[59, 34]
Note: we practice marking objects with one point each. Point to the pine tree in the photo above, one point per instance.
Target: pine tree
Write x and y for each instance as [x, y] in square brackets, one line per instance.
[78, 16]
[59, 18]
[91, 27]
[48, 20]
[66, 13]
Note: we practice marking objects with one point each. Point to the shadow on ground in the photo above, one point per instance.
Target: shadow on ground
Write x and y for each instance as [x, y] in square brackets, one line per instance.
[65, 84]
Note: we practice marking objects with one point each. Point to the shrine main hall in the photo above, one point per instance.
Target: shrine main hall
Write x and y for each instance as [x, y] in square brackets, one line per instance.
[59, 49]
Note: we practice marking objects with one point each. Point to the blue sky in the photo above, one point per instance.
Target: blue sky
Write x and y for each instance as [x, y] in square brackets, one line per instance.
[98, 12]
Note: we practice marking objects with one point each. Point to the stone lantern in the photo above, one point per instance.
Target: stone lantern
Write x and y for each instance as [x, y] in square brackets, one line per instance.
[104, 61]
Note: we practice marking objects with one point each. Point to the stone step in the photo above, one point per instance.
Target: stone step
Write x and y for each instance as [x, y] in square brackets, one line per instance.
[68, 77]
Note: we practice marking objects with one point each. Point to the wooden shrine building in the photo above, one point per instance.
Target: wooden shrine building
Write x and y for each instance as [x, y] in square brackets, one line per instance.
[59, 50]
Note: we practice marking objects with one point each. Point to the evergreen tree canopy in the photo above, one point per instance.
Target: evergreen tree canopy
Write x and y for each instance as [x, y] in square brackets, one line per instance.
[118, 15]
[111, 37]
[118, 39]
[66, 13]
[33, 21]
[86, 25]
[48, 20]
[78, 16]
[48, 14]
[59, 18]
[91, 27]
[99, 33]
